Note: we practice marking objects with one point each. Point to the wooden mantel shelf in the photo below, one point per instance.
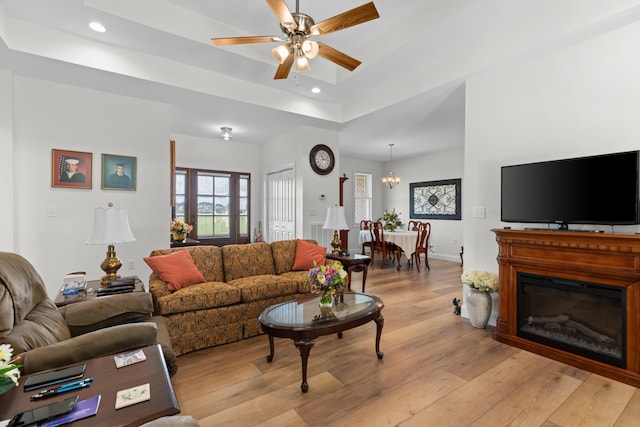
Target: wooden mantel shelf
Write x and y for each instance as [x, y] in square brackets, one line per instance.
[611, 259]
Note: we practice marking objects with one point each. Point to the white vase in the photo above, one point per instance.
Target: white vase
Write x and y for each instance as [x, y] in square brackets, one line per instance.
[478, 307]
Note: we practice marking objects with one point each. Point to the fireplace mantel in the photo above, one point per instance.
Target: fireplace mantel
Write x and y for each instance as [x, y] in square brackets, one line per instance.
[611, 259]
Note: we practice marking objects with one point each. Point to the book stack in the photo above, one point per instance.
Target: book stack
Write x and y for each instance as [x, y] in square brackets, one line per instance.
[121, 285]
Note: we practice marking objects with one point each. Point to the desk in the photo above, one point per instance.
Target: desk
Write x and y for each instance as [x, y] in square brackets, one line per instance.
[108, 380]
[353, 262]
[404, 240]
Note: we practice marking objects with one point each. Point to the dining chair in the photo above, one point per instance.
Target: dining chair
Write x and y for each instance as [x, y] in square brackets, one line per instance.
[422, 245]
[365, 224]
[413, 225]
[380, 245]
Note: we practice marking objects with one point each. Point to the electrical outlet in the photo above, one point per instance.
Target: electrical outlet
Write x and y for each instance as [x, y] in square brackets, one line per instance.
[454, 241]
[131, 264]
[51, 211]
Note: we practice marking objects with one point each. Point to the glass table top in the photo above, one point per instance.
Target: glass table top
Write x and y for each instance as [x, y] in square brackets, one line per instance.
[305, 312]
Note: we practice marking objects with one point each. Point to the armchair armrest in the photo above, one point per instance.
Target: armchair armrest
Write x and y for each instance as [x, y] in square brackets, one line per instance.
[113, 340]
[103, 312]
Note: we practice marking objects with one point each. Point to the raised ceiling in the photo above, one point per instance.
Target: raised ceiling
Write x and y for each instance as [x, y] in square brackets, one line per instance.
[409, 89]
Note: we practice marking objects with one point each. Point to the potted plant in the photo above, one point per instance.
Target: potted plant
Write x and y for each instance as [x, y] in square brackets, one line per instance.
[481, 283]
[391, 220]
[9, 372]
[179, 229]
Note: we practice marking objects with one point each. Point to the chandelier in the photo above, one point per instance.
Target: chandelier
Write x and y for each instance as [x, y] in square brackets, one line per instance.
[390, 180]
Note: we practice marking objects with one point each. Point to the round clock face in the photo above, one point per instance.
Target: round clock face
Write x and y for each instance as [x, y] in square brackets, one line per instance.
[321, 159]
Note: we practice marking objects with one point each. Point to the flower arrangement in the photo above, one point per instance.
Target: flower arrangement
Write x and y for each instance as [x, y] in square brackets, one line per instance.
[180, 227]
[391, 220]
[325, 279]
[481, 280]
[9, 372]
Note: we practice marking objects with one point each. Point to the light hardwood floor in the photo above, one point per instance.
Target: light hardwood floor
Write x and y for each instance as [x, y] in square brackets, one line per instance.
[437, 370]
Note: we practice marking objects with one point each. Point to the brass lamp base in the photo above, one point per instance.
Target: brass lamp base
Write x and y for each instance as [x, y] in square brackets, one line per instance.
[110, 265]
[336, 243]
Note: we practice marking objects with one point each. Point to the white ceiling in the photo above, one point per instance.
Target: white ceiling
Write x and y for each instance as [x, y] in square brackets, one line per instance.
[408, 91]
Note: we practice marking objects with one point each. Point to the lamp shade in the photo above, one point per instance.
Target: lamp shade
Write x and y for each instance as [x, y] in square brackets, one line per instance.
[110, 225]
[335, 219]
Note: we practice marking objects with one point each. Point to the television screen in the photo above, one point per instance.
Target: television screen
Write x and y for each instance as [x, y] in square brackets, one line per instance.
[587, 190]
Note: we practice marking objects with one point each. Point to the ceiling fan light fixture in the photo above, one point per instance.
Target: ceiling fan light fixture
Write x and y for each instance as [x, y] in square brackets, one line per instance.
[310, 48]
[280, 53]
[225, 133]
[302, 63]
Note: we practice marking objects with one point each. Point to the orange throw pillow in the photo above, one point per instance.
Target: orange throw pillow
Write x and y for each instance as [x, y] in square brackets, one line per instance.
[306, 253]
[176, 268]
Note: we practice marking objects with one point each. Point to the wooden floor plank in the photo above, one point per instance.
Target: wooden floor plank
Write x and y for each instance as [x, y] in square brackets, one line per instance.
[437, 371]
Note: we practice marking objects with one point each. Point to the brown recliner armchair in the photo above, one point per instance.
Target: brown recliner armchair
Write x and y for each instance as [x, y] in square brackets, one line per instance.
[46, 337]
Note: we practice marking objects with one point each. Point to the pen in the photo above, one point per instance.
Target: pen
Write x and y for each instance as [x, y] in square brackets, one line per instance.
[63, 388]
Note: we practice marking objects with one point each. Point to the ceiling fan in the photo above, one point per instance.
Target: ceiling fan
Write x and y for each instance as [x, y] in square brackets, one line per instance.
[298, 29]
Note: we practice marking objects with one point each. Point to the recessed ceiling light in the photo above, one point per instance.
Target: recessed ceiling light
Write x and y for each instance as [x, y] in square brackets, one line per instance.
[97, 27]
[316, 90]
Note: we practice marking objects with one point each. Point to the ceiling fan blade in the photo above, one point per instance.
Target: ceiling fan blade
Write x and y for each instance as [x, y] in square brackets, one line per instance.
[340, 58]
[358, 15]
[282, 12]
[283, 70]
[225, 41]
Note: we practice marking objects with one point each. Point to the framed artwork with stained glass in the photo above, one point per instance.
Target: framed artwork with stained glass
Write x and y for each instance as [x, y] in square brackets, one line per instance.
[435, 199]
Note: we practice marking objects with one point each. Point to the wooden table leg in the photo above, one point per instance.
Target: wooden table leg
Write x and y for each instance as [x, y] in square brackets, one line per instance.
[365, 268]
[304, 347]
[379, 324]
[271, 348]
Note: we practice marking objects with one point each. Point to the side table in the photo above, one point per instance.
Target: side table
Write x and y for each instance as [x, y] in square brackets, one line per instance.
[62, 300]
[353, 262]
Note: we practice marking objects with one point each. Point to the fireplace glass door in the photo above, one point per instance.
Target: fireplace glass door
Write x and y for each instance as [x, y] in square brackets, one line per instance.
[582, 318]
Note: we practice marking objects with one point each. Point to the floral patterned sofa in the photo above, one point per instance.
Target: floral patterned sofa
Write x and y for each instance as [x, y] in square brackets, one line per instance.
[241, 281]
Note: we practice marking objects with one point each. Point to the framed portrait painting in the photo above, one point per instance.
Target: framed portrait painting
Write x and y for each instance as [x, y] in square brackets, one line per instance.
[71, 169]
[435, 199]
[118, 172]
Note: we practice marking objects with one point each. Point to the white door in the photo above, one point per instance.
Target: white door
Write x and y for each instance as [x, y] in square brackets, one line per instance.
[281, 219]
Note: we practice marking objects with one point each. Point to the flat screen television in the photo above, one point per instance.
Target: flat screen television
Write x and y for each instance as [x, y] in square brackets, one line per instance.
[586, 190]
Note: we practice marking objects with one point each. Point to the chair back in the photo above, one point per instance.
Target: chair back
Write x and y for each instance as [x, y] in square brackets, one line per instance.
[377, 232]
[413, 225]
[424, 231]
[365, 224]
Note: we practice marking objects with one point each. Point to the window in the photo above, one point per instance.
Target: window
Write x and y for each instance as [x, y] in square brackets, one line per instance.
[363, 199]
[215, 203]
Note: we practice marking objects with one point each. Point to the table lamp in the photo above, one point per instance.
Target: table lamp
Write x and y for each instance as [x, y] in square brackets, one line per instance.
[335, 221]
[110, 226]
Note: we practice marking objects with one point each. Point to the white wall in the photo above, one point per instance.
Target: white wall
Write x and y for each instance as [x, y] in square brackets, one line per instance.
[580, 101]
[7, 192]
[293, 148]
[50, 115]
[431, 167]
[231, 156]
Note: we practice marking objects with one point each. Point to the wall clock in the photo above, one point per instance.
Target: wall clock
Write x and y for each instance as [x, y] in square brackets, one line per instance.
[322, 159]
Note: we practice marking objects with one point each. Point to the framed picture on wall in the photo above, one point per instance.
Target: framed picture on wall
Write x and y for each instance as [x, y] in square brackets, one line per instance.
[118, 172]
[435, 199]
[71, 169]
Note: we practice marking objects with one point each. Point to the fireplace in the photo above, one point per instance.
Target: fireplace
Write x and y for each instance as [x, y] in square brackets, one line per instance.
[587, 319]
[573, 297]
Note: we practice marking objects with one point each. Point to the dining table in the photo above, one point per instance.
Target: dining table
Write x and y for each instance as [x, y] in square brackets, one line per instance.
[404, 240]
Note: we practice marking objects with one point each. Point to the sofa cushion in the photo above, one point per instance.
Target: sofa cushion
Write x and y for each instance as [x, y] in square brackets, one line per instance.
[284, 253]
[177, 269]
[256, 288]
[301, 278]
[197, 297]
[208, 259]
[308, 253]
[252, 259]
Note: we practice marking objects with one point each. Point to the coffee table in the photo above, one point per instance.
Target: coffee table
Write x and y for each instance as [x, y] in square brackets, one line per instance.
[302, 321]
[107, 381]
